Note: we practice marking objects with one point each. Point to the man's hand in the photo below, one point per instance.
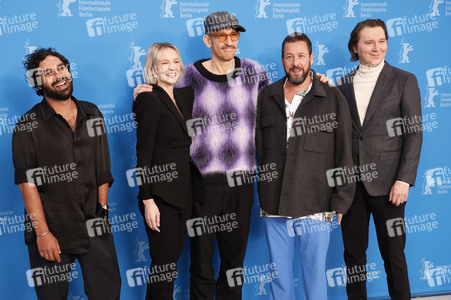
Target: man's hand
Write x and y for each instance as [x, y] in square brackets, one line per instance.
[339, 216]
[152, 214]
[48, 247]
[141, 88]
[399, 193]
[324, 79]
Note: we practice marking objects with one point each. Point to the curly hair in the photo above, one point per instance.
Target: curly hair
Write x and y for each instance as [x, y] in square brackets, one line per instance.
[33, 60]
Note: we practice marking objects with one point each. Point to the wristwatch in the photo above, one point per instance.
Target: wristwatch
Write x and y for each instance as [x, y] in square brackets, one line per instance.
[105, 207]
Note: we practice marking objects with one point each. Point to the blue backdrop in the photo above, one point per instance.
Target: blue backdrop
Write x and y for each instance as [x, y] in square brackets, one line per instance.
[106, 42]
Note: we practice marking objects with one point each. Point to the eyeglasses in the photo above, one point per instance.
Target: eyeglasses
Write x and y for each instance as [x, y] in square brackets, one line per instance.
[222, 37]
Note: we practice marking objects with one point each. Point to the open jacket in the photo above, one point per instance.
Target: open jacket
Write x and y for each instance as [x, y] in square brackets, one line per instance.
[301, 187]
[164, 167]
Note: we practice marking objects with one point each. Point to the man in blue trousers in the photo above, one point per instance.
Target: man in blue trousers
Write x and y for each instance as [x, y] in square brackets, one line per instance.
[304, 130]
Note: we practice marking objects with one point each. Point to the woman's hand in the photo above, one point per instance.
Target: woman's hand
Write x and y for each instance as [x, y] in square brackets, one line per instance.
[152, 214]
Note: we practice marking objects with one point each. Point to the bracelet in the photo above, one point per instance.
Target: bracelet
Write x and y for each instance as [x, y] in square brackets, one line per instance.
[43, 233]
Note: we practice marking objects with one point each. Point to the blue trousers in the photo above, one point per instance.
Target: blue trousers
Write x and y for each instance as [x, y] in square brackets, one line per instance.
[313, 241]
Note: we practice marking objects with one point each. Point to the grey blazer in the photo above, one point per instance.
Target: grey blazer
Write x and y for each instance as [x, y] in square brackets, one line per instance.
[391, 134]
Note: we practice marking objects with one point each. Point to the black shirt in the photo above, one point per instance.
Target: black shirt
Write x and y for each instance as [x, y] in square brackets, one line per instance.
[66, 167]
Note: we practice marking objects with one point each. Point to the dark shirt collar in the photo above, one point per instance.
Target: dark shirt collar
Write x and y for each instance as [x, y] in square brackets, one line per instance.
[215, 77]
[48, 112]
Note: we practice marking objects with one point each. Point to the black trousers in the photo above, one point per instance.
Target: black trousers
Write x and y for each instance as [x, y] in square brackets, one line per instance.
[221, 201]
[100, 269]
[165, 248]
[391, 244]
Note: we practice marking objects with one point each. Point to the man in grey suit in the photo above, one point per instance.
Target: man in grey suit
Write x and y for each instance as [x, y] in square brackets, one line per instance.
[385, 105]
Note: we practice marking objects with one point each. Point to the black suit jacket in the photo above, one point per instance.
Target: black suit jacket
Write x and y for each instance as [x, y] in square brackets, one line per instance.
[164, 167]
[301, 186]
[393, 145]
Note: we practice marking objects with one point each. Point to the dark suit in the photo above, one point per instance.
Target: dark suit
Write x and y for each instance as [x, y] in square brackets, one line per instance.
[396, 156]
[167, 173]
[301, 187]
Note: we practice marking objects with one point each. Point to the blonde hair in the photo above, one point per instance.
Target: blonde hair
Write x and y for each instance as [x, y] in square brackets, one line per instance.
[153, 58]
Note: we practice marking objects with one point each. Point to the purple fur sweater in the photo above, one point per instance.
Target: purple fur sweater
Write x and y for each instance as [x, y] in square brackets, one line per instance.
[224, 116]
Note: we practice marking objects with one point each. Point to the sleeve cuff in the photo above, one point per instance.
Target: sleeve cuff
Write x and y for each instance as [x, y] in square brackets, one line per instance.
[106, 178]
[403, 182]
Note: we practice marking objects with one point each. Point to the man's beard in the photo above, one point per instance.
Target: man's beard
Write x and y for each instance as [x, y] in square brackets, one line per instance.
[59, 95]
[298, 80]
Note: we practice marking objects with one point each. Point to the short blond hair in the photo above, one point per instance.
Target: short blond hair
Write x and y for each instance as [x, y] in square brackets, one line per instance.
[153, 58]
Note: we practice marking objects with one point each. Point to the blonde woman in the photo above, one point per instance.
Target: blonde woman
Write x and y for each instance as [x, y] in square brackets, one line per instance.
[164, 165]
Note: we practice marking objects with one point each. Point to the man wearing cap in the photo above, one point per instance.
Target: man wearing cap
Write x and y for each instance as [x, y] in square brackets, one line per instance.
[224, 115]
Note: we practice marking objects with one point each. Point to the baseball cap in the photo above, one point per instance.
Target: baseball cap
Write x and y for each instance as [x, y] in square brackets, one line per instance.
[221, 20]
